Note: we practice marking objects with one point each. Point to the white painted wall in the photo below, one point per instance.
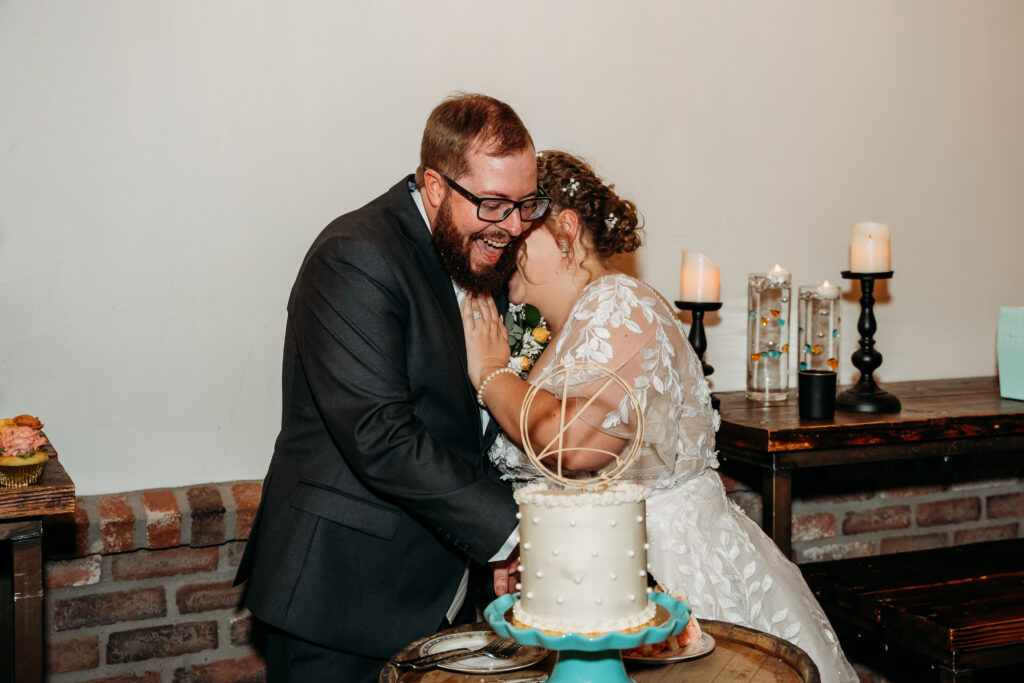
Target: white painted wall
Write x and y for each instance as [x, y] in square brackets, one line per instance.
[164, 166]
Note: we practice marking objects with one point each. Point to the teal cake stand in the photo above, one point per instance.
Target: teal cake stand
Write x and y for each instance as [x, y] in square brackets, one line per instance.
[591, 659]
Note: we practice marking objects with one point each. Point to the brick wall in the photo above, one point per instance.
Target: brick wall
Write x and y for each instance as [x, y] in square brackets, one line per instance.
[138, 587]
[877, 509]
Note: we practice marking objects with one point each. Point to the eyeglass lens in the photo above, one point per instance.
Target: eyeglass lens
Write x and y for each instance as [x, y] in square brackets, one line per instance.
[496, 210]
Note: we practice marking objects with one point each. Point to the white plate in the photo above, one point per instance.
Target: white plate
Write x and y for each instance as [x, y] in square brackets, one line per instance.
[697, 648]
[527, 655]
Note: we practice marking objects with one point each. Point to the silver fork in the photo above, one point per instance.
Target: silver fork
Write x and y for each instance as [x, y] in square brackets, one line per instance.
[495, 648]
[507, 651]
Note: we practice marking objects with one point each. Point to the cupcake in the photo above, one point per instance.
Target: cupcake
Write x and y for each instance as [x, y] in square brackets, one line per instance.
[21, 461]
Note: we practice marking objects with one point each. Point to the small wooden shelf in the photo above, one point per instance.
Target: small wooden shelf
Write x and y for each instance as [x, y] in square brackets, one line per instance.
[53, 494]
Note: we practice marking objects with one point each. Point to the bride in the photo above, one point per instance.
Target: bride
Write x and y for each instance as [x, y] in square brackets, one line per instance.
[702, 547]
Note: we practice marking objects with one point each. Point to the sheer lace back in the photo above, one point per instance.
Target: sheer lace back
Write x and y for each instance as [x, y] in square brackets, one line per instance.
[625, 326]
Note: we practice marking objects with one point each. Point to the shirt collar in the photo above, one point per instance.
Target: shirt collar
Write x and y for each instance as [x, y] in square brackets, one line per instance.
[418, 201]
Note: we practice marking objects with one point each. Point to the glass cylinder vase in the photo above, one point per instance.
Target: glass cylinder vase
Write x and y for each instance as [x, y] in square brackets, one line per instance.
[818, 330]
[768, 335]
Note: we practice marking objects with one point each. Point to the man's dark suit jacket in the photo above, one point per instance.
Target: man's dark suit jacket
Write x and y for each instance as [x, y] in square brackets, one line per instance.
[379, 487]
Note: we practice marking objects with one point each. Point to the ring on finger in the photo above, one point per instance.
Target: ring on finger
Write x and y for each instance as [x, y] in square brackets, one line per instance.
[477, 315]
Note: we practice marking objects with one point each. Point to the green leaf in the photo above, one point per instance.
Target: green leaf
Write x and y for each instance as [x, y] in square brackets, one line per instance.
[531, 315]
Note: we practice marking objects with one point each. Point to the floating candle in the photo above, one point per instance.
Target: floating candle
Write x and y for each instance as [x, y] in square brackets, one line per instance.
[827, 291]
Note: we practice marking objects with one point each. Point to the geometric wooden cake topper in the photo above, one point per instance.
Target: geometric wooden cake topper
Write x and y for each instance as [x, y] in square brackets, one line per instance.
[559, 375]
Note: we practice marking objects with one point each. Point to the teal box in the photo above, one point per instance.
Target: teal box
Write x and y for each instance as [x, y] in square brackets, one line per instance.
[1011, 352]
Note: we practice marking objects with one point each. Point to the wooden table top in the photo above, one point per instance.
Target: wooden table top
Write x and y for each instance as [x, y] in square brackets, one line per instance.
[932, 410]
[740, 654]
[53, 494]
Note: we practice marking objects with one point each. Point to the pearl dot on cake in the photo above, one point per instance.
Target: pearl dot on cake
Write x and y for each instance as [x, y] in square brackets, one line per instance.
[554, 551]
[572, 522]
[631, 553]
[643, 573]
[632, 597]
[519, 586]
[599, 601]
[640, 518]
[526, 546]
[529, 595]
[536, 520]
[614, 576]
[519, 515]
[576, 579]
[614, 522]
[559, 599]
[539, 575]
[593, 553]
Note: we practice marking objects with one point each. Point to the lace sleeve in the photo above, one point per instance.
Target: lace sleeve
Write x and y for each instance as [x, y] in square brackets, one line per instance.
[625, 326]
[512, 462]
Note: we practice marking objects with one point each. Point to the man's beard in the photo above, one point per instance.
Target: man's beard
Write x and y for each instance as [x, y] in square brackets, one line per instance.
[453, 250]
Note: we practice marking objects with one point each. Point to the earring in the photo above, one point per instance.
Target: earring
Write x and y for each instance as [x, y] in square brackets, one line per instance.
[565, 251]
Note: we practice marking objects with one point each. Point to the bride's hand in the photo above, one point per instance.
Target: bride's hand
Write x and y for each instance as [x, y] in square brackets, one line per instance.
[486, 337]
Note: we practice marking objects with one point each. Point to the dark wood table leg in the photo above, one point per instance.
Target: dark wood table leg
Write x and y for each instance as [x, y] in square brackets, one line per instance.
[24, 632]
[777, 511]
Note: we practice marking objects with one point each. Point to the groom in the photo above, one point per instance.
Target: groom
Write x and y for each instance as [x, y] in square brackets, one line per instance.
[379, 493]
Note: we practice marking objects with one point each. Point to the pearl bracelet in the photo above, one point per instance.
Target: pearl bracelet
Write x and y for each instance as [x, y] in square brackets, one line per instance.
[480, 391]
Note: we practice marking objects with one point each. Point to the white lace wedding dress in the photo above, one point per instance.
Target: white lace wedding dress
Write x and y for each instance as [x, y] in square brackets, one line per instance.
[703, 549]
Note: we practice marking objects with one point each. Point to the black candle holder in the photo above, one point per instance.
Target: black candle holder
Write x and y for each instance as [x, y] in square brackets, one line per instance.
[698, 340]
[866, 396]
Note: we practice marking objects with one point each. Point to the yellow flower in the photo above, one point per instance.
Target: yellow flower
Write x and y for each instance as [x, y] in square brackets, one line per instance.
[540, 334]
[524, 364]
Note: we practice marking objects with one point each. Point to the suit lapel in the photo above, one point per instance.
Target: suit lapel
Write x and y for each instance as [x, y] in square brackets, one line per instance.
[440, 285]
[437, 280]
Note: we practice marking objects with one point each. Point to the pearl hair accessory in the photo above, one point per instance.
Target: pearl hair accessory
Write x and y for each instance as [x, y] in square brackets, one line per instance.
[571, 187]
[610, 221]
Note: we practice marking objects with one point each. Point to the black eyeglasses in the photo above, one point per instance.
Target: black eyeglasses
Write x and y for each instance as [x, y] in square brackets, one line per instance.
[496, 209]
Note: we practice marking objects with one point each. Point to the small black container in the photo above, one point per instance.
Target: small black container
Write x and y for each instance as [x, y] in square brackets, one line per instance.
[817, 394]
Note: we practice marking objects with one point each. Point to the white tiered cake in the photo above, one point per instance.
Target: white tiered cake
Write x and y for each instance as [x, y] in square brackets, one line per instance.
[583, 559]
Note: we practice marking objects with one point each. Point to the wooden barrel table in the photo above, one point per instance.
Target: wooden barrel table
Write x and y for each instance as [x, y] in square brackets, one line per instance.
[740, 654]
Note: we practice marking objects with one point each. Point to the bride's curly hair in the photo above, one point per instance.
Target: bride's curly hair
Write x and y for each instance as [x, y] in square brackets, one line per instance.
[614, 223]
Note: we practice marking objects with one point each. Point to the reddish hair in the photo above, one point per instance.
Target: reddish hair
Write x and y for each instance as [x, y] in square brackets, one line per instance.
[464, 122]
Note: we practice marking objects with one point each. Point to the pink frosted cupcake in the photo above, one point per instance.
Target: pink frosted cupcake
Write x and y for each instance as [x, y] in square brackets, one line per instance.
[21, 461]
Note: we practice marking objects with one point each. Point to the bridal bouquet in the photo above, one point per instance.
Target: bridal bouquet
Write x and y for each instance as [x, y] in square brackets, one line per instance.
[528, 334]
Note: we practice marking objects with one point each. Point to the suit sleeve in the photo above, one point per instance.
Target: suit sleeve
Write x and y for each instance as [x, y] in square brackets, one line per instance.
[351, 331]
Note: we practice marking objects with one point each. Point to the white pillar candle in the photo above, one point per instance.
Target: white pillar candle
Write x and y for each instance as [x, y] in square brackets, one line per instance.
[869, 248]
[827, 291]
[699, 279]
